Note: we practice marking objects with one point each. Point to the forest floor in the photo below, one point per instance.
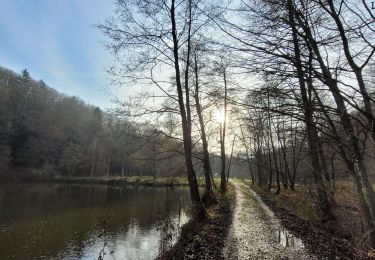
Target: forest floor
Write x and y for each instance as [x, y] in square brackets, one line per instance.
[205, 239]
[256, 233]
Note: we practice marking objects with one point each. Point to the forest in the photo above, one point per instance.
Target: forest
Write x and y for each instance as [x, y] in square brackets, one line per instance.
[48, 134]
[269, 98]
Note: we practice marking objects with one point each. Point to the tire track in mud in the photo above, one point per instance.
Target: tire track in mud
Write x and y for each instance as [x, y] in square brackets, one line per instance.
[256, 233]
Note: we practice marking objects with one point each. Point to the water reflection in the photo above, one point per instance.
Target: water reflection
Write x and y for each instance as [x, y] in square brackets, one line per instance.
[288, 240]
[58, 221]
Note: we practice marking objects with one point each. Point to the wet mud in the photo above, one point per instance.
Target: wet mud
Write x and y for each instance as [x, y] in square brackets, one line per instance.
[256, 233]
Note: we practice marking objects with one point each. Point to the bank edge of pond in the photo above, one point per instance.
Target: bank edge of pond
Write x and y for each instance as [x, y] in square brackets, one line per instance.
[204, 239]
[134, 180]
[112, 181]
[322, 240]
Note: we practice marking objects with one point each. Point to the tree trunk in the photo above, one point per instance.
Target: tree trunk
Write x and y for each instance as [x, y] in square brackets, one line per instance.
[325, 203]
[355, 68]
[206, 155]
[230, 159]
[186, 130]
[93, 156]
[122, 168]
[248, 159]
[154, 162]
[223, 184]
[358, 168]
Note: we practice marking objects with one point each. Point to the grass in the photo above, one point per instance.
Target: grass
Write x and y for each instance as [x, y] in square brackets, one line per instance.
[132, 180]
[348, 211]
[298, 202]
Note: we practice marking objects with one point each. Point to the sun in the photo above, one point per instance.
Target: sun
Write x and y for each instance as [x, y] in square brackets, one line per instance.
[219, 116]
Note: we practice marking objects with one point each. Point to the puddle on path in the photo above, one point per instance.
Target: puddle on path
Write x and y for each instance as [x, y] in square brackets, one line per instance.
[283, 237]
[286, 239]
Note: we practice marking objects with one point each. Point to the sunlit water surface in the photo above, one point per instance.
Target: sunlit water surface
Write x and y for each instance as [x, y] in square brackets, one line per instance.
[66, 221]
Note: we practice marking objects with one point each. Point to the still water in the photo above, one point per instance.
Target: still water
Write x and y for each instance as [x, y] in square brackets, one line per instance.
[67, 221]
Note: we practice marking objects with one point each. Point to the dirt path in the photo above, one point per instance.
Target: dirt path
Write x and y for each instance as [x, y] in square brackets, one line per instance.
[257, 234]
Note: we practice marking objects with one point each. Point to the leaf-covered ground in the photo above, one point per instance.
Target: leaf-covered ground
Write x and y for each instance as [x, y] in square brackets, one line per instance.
[206, 239]
[326, 241]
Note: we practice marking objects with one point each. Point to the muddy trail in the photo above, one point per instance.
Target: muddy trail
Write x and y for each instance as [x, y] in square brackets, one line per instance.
[257, 234]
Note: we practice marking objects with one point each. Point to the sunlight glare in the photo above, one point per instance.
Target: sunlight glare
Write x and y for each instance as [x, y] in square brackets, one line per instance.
[219, 116]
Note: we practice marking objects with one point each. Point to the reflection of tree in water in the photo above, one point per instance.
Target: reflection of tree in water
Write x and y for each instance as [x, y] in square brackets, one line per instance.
[69, 229]
[170, 224]
[166, 227]
[169, 217]
[103, 226]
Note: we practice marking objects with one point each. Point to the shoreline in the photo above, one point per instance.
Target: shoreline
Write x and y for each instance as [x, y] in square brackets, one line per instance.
[110, 181]
[205, 239]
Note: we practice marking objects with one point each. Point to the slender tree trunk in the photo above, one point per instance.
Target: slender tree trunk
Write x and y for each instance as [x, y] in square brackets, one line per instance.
[357, 166]
[275, 161]
[185, 116]
[248, 159]
[270, 140]
[93, 156]
[283, 151]
[230, 159]
[122, 168]
[140, 162]
[270, 182]
[206, 155]
[325, 202]
[223, 184]
[109, 168]
[154, 162]
[354, 66]
[262, 179]
[323, 160]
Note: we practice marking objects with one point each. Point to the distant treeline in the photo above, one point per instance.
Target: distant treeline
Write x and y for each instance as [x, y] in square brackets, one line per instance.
[49, 133]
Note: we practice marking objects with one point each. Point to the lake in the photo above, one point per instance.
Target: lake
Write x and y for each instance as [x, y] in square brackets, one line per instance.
[68, 221]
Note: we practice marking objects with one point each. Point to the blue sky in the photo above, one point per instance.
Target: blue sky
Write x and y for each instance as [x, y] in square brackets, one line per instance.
[56, 41]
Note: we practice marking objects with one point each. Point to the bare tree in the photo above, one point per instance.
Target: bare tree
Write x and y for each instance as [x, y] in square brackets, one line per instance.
[160, 35]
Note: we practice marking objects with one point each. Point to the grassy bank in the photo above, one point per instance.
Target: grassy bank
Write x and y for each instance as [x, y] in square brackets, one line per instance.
[133, 180]
[204, 239]
[112, 180]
